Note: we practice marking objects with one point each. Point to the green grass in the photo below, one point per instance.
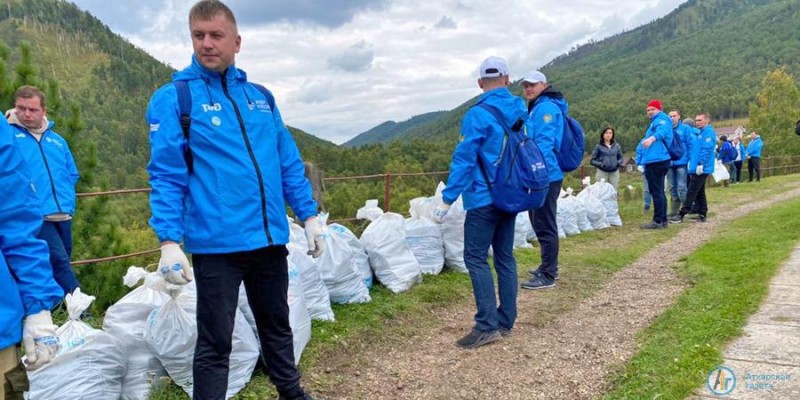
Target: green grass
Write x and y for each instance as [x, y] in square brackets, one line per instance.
[728, 276]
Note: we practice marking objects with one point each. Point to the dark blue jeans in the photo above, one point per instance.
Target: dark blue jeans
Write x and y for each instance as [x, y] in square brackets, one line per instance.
[655, 174]
[266, 280]
[543, 220]
[58, 236]
[483, 227]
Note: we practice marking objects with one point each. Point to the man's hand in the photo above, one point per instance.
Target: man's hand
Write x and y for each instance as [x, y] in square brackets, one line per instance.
[173, 265]
[699, 170]
[640, 168]
[40, 340]
[315, 237]
[440, 212]
[649, 141]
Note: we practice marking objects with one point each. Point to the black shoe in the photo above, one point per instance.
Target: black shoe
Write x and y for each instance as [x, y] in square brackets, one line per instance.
[505, 332]
[677, 219]
[477, 338]
[652, 225]
[539, 282]
[305, 396]
[536, 272]
[700, 218]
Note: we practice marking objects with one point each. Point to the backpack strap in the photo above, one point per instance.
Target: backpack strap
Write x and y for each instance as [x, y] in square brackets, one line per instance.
[185, 107]
[506, 129]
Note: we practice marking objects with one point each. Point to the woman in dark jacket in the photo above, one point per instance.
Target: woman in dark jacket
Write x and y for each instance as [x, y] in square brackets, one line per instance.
[607, 157]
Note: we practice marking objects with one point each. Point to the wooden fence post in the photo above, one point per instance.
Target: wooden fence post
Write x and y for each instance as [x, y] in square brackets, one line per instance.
[314, 175]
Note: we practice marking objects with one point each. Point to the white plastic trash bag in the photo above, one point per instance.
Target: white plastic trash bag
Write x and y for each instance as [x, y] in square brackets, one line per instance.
[424, 238]
[389, 256]
[453, 233]
[595, 210]
[339, 273]
[89, 365]
[580, 212]
[720, 172]
[299, 319]
[360, 257]
[127, 321]
[370, 211]
[522, 228]
[606, 193]
[566, 216]
[318, 300]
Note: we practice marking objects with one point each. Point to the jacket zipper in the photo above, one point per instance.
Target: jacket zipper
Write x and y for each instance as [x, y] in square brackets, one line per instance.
[252, 158]
[49, 175]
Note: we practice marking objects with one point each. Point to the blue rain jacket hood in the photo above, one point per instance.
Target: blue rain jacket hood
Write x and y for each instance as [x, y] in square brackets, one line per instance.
[246, 166]
[52, 168]
[754, 147]
[545, 125]
[26, 278]
[684, 132]
[661, 128]
[481, 136]
[702, 149]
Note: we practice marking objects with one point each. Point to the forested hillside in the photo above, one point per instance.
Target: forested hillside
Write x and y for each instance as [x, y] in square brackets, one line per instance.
[389, 130]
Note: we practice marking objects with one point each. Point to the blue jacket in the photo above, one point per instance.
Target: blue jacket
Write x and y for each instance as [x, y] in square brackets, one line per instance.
[638, 156]
[727, 153]
[661, 128]
[481, 136]
[754, 147]
[545, 125]
[52, 169]
[246, 166]
[683, 131]
[701, 149]
[26, 278]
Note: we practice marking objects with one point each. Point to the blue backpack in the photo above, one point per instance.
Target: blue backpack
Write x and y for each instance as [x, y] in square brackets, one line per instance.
[185, 107]
[521, 181]
[573, 143]
[676, 150]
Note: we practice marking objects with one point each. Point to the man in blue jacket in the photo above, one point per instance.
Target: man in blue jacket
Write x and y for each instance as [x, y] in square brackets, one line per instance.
[727, 154]
[677, 171]
[701, 164]
[54, 174]
[26, 280]
[226, 202]
[754, 156]
[481, 145]
[545, 124]
[656, 160]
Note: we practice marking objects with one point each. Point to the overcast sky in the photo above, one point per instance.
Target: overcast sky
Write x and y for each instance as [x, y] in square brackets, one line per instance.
[340, 67]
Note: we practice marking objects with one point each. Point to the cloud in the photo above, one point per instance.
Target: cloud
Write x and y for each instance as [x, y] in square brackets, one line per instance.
[357, 58]
[446, 23]
[330, 14]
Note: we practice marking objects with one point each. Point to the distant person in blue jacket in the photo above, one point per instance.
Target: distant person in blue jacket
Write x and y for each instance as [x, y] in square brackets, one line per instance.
[545, 124]
[727, 154]
[54, 175]
[227, 203]
[737, 163]
[656, 160]
[754, 148]
[482, 138]
[677, 175]
[26, 279]
[701, 164]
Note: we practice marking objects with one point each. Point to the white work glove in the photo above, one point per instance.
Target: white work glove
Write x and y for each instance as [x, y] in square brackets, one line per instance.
[174, 266]
[440, 212]
[40, 340]
[315, 237]
[699, 170]
[640, 168]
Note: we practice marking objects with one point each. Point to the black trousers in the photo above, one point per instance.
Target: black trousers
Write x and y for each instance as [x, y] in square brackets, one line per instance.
[738, 177]
[544, 224]
[266, 280]
[754, 166]
[696, 195]
[655, 174]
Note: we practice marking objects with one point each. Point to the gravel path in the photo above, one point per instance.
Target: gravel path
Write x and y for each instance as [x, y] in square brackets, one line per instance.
[569, 358]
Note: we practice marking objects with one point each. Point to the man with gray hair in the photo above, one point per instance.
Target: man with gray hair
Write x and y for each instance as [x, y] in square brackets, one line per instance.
[220, 177]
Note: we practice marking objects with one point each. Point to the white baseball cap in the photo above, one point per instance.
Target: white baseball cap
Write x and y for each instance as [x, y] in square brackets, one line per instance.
[534, 77]
[493, 67]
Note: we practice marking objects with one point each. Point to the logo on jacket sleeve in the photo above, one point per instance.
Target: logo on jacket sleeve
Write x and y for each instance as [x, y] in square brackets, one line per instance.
[547, 118]
[154, 125]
